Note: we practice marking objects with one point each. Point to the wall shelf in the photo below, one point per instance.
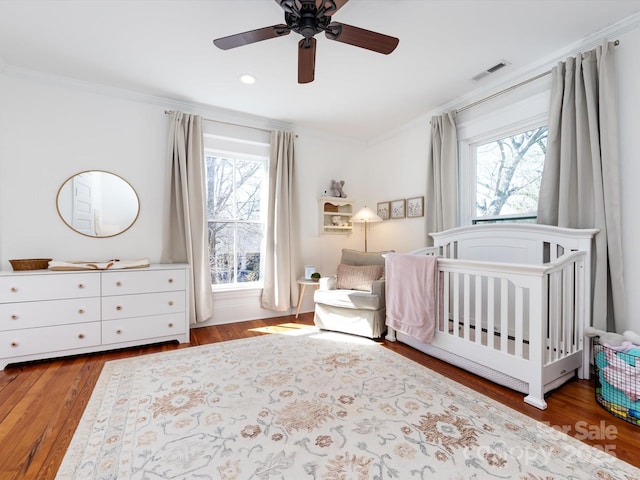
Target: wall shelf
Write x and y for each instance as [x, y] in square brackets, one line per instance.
[339, 208]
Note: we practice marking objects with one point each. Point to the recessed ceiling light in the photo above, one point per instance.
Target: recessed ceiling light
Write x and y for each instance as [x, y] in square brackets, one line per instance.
[248, 79]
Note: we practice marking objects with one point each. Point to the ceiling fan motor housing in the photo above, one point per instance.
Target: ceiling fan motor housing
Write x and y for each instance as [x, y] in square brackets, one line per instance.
[307, 21]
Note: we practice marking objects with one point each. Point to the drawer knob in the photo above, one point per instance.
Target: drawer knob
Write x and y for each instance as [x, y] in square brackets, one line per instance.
[14, 289]
[118, 307]
[170, 325]
[119, 332]
[118, 284]
[81, 336]
[170, 302]
[14, 317]
[14, 344]
[81, 311]
[81, 285]
[170, 280]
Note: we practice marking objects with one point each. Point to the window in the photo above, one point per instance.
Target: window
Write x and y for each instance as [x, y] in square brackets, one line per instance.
[236, 192]
[508, 171]
[502, 145]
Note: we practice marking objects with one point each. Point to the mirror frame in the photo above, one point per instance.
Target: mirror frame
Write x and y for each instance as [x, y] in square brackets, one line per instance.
[124, 229]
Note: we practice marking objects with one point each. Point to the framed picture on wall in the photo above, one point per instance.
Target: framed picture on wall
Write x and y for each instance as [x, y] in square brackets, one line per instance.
[398, 209]
[415, 207]
[383, 210]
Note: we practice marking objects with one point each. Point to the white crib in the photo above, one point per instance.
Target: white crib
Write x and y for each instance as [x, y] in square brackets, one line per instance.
[515, 299]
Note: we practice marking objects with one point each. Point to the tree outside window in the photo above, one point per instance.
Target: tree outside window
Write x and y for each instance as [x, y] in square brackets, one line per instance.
[508, 175]
[235, 218]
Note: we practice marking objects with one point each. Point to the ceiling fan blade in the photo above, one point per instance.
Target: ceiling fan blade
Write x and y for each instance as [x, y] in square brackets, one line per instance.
[306, 60]
[359, 37]
[252, 36]
[330, 6]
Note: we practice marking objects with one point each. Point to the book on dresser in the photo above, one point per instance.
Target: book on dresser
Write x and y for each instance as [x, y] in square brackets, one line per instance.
[46, 314]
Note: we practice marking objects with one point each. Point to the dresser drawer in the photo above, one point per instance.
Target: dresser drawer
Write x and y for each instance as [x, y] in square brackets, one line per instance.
[126, 306]
[142, 281]
[48, 286]
[16, 343]
[14, 316]
[143, 328]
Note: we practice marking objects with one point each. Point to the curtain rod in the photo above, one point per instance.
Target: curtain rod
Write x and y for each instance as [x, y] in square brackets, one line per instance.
[513, 87]
[167, 112]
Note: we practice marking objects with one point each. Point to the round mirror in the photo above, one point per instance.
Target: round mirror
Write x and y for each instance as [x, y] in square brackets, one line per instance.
[97, 204]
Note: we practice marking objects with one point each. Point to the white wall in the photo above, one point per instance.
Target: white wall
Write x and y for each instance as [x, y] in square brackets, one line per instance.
[321, 158]
[397, 169]
[47, 134]
[52, 128]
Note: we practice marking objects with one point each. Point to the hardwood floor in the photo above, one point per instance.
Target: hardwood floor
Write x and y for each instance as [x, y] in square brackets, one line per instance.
[41, 402]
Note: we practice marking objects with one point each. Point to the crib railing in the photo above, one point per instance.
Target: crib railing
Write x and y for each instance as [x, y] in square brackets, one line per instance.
[516, 319]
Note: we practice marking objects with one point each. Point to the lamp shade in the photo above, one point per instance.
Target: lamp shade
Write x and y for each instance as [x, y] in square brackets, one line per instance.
[365, 215]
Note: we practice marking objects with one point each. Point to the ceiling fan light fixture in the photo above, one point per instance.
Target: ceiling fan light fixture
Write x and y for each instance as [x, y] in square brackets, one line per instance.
[247, 79]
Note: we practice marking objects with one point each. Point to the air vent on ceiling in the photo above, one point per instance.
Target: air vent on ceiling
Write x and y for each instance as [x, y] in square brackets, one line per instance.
[490, 70]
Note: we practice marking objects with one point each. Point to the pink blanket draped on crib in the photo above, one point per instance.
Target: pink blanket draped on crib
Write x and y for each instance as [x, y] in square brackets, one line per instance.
[411, 294]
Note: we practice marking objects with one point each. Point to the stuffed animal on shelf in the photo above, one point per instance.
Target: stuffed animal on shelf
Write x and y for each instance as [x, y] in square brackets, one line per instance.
[336, 189]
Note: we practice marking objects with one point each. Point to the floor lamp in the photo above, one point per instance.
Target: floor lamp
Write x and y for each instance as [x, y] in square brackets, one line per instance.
[365, 215]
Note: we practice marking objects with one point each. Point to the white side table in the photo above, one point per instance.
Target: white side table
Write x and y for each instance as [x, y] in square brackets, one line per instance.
[303, 282]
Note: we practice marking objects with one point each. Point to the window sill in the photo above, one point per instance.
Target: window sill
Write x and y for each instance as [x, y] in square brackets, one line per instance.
[237, 286]
[237, 292]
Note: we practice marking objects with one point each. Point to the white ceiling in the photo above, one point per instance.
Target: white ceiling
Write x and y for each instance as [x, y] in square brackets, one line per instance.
[164, 48]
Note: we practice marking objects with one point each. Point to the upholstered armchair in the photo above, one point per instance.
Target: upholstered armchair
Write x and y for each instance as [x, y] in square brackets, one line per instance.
[353, 301]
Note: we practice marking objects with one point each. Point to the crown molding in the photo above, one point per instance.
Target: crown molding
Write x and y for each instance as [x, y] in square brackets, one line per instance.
[544, 64]
[211, 112]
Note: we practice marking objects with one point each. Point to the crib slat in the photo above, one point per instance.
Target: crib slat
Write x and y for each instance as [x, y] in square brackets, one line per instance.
[491, 313]
[570, 311]
[456, 304]
[504, 315]
[555, 314]
[565, 319]
[519, 320]
[551, 320]
[477, 316]
[466, 308]
[578, 308]
[446, 312]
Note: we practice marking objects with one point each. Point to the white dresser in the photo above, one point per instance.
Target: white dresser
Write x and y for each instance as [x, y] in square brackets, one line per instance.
[46, 314]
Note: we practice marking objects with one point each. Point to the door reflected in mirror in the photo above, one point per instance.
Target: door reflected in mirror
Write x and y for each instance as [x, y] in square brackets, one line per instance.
[98, 204]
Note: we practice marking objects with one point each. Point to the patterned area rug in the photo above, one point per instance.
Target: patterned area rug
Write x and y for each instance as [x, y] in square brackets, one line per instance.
[314, 406]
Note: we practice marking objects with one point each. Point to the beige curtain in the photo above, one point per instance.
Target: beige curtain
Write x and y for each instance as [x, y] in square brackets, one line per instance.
[581, 178]
[280, 289]
[185, 232]
[441, 202]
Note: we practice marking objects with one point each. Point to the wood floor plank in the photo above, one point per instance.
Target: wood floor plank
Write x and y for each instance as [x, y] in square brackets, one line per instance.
[41, 403]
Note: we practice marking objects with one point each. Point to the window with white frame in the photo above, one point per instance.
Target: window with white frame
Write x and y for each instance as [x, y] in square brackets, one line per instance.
[236, 160]
[502, 146]
[508, 171]
[236, 192]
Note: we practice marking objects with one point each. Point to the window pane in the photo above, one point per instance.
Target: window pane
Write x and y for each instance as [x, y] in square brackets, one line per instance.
[219, 187]
[249, 178]
[508, 173]
[221, 239]
[249, 243]
[235, 190]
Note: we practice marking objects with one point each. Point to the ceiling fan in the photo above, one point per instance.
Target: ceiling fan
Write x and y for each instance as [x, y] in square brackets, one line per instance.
[308, 18]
